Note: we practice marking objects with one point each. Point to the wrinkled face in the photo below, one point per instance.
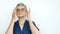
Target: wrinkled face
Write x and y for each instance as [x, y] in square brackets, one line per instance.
[21, 11]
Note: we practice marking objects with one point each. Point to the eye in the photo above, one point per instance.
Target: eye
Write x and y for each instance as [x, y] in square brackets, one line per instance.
[17, 9]
[22, 8]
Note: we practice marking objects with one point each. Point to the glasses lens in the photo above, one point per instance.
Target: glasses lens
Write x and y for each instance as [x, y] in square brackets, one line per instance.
[23, 9]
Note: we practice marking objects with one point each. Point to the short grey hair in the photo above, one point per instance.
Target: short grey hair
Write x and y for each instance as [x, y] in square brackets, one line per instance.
[22, 5]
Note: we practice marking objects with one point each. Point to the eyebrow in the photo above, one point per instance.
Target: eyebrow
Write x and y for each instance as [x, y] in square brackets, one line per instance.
[19, 8]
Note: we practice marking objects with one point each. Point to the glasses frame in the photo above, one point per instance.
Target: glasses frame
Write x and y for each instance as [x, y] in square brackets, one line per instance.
[22, 9]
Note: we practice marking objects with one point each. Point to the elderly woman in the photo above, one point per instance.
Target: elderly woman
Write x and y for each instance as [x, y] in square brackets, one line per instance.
[22, 25]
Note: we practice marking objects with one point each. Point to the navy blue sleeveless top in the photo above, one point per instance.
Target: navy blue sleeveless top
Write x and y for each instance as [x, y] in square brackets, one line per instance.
[25, 30]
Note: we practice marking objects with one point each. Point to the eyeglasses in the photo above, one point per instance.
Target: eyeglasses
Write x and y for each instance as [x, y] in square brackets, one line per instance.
[23, 9]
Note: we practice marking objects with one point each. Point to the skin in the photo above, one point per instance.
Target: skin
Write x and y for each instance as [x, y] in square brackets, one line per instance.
[21, 17]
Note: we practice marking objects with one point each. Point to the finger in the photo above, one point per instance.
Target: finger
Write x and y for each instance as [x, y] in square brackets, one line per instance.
[14, 12]
[29, 9]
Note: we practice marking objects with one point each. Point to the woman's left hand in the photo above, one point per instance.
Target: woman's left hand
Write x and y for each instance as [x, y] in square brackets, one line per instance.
[28, 13]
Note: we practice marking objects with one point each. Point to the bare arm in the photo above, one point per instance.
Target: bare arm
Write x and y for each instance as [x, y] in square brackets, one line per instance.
[32, 27]
[10, 28]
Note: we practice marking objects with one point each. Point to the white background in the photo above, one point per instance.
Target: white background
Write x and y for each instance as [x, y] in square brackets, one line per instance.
[45, 13]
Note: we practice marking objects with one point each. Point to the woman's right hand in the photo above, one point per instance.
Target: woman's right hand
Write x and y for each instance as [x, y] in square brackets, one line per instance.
[14, 14]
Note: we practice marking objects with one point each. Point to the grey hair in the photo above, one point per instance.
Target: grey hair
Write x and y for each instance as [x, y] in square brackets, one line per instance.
[22, 5]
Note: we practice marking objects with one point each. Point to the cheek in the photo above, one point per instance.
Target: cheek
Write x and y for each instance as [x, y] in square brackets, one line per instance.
[24, 13]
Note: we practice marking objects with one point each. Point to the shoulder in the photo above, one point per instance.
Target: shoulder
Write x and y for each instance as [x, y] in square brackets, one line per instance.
[34, 24]
[16, 23]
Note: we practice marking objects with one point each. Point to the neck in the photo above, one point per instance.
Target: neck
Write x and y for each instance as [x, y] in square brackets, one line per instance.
[22, 20]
